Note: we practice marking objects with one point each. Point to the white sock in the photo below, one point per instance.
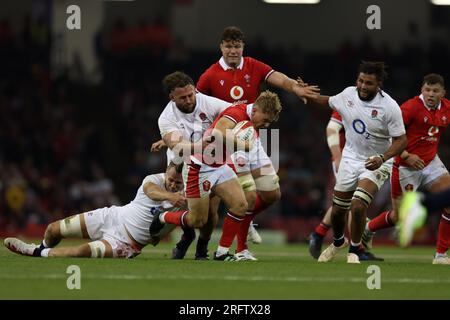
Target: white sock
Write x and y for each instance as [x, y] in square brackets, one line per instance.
[44, 252]
[222, 250]
[161, 217]
[440, 255]
[355, 244]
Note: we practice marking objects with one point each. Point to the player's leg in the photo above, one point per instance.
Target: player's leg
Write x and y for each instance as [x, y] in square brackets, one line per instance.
[70, 227]
[198, 181]
[201, 250]
[361, 200]
[316, 237]
[443, 241]
[231, 193]
[340, 207]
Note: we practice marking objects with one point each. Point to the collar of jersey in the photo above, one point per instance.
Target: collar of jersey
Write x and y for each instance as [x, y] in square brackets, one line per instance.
[226, 67]
[423, 101]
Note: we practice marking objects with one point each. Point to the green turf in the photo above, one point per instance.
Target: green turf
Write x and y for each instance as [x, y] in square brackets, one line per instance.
[283, 272]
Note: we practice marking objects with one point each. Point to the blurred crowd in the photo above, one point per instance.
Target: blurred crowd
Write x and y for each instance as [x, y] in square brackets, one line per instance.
[68, 147]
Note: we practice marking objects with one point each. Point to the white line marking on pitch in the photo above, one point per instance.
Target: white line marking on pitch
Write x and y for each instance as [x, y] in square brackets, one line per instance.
[224, 278]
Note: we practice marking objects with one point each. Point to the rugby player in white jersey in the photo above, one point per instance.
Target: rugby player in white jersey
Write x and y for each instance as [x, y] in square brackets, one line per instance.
[116, 232]
[374, 133]
[182, 124]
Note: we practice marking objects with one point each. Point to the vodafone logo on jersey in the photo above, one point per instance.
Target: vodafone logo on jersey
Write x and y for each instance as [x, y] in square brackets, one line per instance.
[433, 131]
[236, 92]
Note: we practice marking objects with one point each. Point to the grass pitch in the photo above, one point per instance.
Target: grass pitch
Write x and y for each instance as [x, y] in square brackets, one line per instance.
[283, 272]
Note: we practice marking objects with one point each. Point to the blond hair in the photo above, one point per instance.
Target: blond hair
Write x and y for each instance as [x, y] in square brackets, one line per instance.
[269, 103]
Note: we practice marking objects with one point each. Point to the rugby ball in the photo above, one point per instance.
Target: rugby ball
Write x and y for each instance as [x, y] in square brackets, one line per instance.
[245, 131]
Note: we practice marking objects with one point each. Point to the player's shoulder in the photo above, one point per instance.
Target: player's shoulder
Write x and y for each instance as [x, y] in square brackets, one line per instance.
[250, 61]
[212, 70]
[350, 91]
[157, 179]
[387, 99]
[445, 103]
[412, 103]
[167, 112]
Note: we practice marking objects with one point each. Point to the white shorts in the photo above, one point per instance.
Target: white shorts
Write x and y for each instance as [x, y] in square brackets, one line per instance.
[106, 224]
[352, 171]
[247, 161]
[199, 179]
[409, 179]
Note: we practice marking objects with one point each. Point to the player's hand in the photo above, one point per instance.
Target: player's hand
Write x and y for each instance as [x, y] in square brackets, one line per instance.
[373, 163]
[177, 200]
[157, 146]
[301, 83]
[415, 162]
[307, 92]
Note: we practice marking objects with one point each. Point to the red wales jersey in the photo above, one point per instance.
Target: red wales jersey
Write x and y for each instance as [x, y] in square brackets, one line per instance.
[233, 85]
[424, 127]
[236, 114]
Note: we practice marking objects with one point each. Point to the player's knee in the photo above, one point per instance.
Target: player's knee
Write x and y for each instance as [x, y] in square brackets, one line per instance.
[239, 207]
[271, 197]
[53, 230]
[197, 221]
[251, 199]
[357, 208]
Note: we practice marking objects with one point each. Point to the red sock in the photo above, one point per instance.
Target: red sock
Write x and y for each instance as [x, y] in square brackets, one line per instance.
[243, 232]
[443, 241]
[178, 218]
[322, 229]
[380, 222]
[260, 205]
[230, 228]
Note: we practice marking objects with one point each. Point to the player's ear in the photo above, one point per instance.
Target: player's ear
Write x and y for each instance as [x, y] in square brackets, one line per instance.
[171, 96]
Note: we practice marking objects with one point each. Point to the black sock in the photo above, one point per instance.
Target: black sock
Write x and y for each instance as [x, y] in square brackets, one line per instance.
[339, 241]
[354, 249]
[37, 251]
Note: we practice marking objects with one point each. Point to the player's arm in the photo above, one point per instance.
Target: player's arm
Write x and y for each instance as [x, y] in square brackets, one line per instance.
[158, 145]
[156, 193]
[302, 90]
[333, 140]
[412, 160]
[175, 141]
[222, 132]
[398, 145]
[322, 101]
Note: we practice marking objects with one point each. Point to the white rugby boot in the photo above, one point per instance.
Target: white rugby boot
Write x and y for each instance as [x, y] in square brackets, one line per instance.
[330, 253]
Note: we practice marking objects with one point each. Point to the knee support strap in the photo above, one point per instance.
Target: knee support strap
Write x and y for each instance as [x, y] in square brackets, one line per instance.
[98, 249]
[364, 196]
[267, 182]
[71, 227]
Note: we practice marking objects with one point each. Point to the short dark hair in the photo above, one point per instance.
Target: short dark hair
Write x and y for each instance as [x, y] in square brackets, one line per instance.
[176, 79]
[434, 78]
[232, 33]
[373, 67]
[178, 167]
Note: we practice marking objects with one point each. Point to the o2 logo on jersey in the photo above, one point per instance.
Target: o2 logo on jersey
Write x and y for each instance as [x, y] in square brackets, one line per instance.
[236, 92]
[360, 127]
[433, 131]
[155, 210]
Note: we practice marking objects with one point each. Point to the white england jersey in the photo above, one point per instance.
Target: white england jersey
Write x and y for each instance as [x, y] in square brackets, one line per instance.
[138, 214]
[191, 125]
[369, 125]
